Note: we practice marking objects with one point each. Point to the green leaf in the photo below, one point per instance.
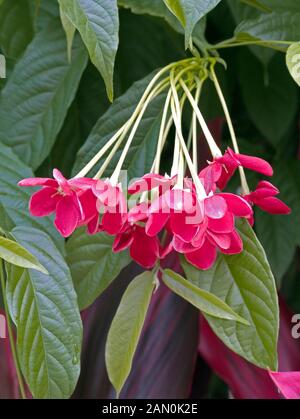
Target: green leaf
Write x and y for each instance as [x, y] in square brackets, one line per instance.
[98, 24]
[283, 26]
[69, 29]
[277, 235]
[159, 9]
[93, 264]
[205, 301]
[142, 151]
[257, 5]
[189, 12]
[293, 61]
[269, 95]
[16, 27]
[14, 199]
[17, 255]
[49, 328]
[32, 111]
[126, 328]
[245, 282]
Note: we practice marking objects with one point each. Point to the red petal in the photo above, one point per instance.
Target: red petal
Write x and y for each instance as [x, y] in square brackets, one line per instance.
[182, 247]
[38, 181]
[222, 225]
[273, 206]
[288, 383]
[144, 249]
[149, 182]
[67, 215]
[204, 257]
[237, 205]
[155, 223]
[223, 241]
[44, 202]
[123, 241]
[236, 244]
[255, 163]
[84, 182]
[180, 226]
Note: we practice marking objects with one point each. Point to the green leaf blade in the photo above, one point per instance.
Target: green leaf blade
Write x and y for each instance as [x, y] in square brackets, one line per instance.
[293, 61]
[98, 24]
[205, 301]
[17, 255]
[32, 112]
[49, 328]
[126, 328]
[93, 264]
[142, 151]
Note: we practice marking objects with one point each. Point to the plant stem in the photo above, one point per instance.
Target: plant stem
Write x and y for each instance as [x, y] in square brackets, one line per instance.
[244, 183]
[194, 128]
[10, 334]
[155, 92]
[215, 151]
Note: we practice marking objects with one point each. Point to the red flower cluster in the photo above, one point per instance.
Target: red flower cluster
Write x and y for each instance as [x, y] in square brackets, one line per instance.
[194, 225]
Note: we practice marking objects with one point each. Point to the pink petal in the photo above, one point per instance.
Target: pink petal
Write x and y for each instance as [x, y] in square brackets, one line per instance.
[113, 221]
[210, 175]
[180, 200]
[273, 206]
[223, 241]
[204, 257]
[237, 205]
[84, 182]
[236, 244]
[215, 207]
[138, 212]
[222, 225]
[288, 383]
[155, 223]
[93, 224]
[255, 163]
[181, 246]
[44, 202]
[144, 249]
[180, 226]
[149, 182]
[264, 184]
[38, 181]
[88, 203]
[67, 215]
[123, 241]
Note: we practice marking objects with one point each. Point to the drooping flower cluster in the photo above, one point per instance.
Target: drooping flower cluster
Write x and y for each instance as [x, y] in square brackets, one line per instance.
[190, 216]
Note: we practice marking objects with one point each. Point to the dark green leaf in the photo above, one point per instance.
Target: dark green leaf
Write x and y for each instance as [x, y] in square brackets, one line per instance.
[126, 328]
[269, 95]
[245, 282]
[16, 27]
[159, 9]
[98, 24]
[49, 329]
[205, 301]
[93, 264]
[189, 12]
[69, 29]
[142, 150]
[283, 26]
[36, 98]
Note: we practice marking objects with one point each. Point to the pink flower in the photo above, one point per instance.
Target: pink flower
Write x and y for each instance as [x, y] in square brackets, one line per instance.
[217, 231]
[61, 196]
[219, 172]
[264, 197]
[151, 181]
[143, 249]
[181, 209]
[113, 201]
